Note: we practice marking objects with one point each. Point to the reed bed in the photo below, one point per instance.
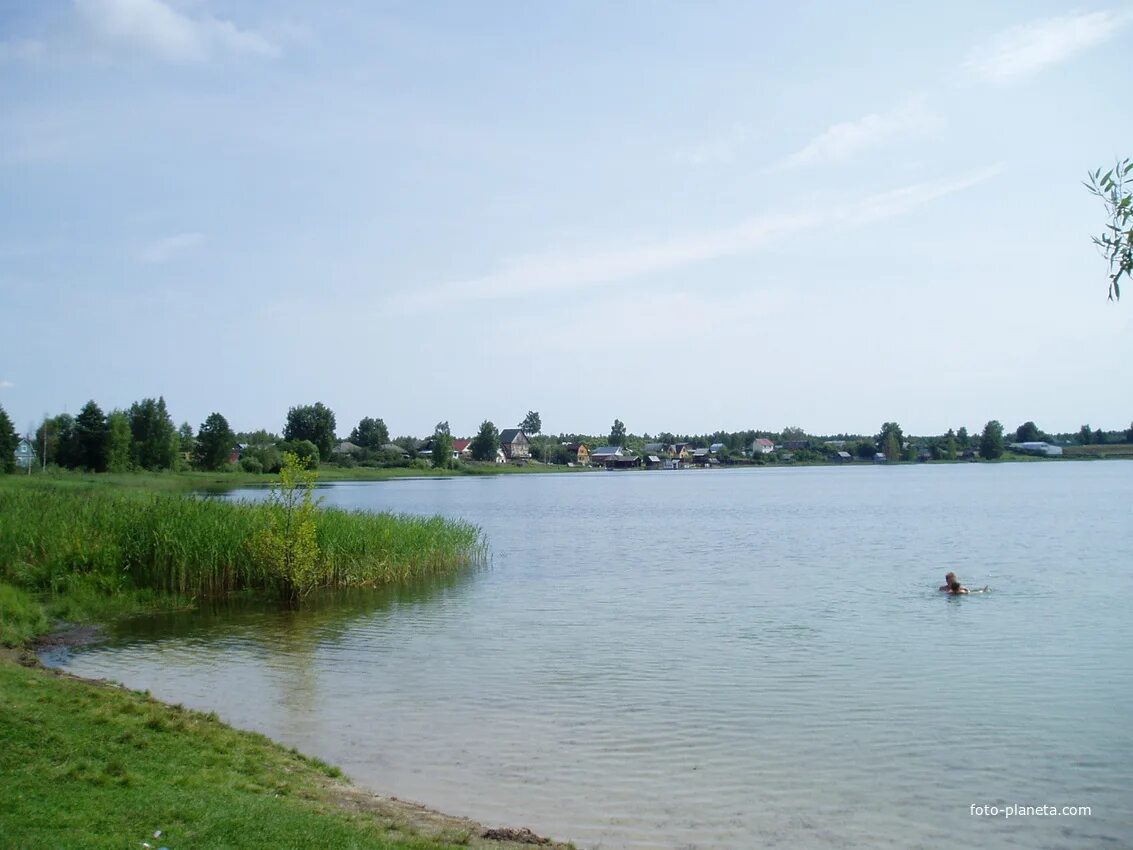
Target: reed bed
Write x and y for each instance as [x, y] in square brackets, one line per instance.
[53, 538]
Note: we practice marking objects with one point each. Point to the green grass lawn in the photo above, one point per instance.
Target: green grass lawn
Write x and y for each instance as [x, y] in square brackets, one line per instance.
[88, 765]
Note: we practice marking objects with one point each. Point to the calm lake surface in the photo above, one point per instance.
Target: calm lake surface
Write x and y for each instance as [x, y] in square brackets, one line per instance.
[716, 659]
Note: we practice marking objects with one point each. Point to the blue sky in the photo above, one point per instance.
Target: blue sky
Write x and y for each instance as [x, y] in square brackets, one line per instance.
[686, 216]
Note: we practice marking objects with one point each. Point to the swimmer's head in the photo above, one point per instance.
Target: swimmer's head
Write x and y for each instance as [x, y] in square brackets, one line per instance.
[949, 578]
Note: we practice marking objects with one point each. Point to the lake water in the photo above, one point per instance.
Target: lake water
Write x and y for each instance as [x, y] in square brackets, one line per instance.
[715, 659]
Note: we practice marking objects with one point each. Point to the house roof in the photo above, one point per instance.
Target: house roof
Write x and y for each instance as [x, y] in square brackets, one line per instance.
[607, 450]
[715, 447]
[460, 445]
[699, 452]
[654, 459]
[511, 435]
[845, 456]
[653, 447]
[346, 446]
[763, 441]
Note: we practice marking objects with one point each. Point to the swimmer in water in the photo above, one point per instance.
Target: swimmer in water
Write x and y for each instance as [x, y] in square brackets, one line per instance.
[948, 579]
[956, 589]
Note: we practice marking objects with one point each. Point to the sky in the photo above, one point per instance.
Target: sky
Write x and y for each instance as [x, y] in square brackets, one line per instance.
[687, 216]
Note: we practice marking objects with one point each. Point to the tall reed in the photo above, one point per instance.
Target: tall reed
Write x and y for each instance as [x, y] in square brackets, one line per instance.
[51, 537]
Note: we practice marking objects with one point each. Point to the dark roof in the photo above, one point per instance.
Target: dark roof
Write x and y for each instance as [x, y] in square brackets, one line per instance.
[509, 435]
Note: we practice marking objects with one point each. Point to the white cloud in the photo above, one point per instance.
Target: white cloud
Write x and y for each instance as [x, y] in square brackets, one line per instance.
[164, 249]
[535, 274]
[166, 33]
[842, 141]
[6, 385]
[1027, 49]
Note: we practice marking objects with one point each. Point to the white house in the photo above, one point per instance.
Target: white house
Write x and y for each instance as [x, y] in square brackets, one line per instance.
[762, 446]
[1037, 448]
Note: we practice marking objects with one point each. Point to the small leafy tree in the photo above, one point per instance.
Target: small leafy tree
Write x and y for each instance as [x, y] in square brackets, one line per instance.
[1115, 188]
[890, 440]
[442, 449]
[214, 443]
[617, 433]
[288, 549]
[991, 441]
[531, 423]
[370, 433]
[307, 451]
[313, 422]
[1086, 435]
[1028, 432]
[120, 441]
[963, 439]
[9, 441]
[486, 442]
[155, 439]
[93, 437]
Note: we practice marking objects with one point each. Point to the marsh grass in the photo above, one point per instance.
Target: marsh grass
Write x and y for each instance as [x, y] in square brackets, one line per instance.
[88, 543]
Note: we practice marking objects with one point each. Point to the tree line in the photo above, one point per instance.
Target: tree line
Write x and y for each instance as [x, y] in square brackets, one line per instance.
[144, 437]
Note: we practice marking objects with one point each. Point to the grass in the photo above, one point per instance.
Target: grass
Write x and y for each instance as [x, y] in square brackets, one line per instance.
[1107, 450]
[86, 765]
[92, 551]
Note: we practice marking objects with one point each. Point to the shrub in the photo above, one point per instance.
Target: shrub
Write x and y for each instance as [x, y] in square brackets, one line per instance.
[251, 464]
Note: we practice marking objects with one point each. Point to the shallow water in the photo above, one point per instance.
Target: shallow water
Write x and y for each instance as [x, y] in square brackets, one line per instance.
[715, 659]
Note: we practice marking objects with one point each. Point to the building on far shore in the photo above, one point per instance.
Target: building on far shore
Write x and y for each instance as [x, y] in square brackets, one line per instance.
[515, 444]
[25, 454]
[1037, 448]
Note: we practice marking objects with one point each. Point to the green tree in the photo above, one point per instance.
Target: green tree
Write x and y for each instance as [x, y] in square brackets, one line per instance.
[1115, 188]
[214, 443]
[1028, 432]
[793, 433]
[963, 439]
[288, 548]
[1129, 433]
[486, 443]
[156, 442]
[305, 450]
[370, 433]
[991, 441]
[617, 433]
[442, 449]
[948, 446]
[890, 440]
[9, 441]
[185, 438]
[865, 449]
[314, 422]
[93, 437]
[120, 448]
[531, 423]
[62, 444]
[1086, 435]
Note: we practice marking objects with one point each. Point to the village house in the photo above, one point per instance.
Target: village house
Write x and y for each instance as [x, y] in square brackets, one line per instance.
[603, 455]
[515, 444]
[580, 451]
[715, 448]
[461, 449]
[25, 454]
[762, 446]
